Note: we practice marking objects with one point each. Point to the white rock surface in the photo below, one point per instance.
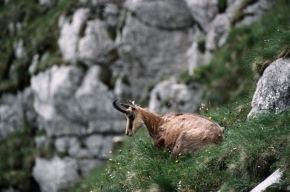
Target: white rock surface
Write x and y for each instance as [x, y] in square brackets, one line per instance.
[203, 11]
[170, 96]
[96, 43]
[55, 174]
[272, 179]
[218, 32]
[70, 34]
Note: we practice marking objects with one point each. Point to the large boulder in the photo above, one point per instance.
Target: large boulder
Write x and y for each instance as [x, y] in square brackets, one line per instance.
[273, 89]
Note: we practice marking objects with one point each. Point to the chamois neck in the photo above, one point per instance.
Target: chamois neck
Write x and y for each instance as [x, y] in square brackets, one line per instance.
[151, 121]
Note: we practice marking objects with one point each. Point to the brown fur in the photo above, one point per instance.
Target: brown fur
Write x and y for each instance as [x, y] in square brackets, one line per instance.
[179, 133]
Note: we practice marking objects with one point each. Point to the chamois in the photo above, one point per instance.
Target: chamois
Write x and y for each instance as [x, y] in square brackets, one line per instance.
[179, 133]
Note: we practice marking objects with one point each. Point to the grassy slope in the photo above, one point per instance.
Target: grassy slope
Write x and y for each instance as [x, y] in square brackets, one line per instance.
[251, 150]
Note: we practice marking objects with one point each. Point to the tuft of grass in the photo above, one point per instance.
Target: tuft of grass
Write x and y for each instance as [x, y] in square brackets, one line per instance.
[251, 151]
[272, 48]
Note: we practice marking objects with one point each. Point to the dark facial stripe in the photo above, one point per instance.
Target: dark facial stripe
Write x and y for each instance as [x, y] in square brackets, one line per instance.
[131, 119]
[130, 124]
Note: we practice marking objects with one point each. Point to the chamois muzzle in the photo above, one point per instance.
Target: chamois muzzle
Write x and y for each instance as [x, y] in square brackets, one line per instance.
[118, 108]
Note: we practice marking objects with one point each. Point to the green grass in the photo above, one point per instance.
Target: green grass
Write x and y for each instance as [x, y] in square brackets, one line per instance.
[252, 150]
[17, 154]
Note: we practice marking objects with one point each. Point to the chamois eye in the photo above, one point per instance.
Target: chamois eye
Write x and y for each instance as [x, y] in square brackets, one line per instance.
[131, 116]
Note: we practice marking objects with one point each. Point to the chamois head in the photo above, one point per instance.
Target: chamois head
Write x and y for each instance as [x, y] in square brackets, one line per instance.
[134, 121]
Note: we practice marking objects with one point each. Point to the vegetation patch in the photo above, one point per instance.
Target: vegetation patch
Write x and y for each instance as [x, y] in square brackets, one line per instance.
[17, 154]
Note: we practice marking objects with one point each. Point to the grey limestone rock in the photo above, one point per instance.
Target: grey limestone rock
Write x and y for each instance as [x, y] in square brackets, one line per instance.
[94, 144]
[218, 32]
[95, 45]
[15, 110]
[70, 33]
[255, 11]
[68, 100]
[203, 11]
[149, 53]
[169, 14]
[42, 141]
[8, 121]
[55, 174]
[273, 89]
[272, 179]
[94, 97]
[107, 126]
[111, 14]
[19, 49]
[171, 96]
[54, 102]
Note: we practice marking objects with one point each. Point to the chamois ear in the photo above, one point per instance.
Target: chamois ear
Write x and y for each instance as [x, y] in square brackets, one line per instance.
[129, 104]
[125, 105]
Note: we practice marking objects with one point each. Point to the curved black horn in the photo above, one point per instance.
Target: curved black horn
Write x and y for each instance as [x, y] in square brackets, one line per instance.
[118, 108]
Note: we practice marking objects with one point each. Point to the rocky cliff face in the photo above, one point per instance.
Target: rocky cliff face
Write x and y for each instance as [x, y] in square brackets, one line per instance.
[113, 49]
